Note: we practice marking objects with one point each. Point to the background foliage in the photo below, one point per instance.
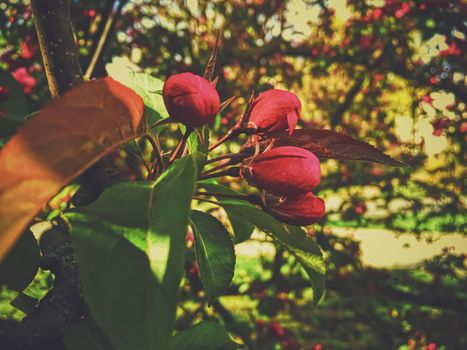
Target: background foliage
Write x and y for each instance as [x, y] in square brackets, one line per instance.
[390, 73]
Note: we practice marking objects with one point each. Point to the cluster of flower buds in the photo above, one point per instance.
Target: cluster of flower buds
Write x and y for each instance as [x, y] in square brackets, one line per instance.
[289, 173]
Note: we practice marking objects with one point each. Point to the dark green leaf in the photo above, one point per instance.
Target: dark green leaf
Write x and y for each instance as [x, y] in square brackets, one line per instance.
[208, 335]
[214, 252]
[293, 238]
[241, 227]
[20, 266]
[86, 335]
[131, 246]
[78, 337]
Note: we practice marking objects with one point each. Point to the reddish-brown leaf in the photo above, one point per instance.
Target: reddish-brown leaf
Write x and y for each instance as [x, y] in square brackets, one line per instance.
[58, 144]
[332, 144]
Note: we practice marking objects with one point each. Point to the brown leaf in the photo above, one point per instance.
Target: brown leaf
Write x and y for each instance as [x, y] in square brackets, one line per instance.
[332, 144]
[58, 144]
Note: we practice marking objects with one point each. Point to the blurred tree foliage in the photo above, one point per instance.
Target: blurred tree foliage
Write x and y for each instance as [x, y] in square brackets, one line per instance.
[387, 72]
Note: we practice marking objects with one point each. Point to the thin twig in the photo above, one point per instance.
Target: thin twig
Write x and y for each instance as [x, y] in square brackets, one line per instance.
[212, 60]
[254, 199]
[220, 166]
[224, 156]
[105, 34]
[162, 122]
[234, 171]
[181, 145]
[158, 161]
[239, 128]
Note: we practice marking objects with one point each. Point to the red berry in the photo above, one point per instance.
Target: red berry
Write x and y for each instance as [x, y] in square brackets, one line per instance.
[190, 99]
[275, 110]
[284, 171]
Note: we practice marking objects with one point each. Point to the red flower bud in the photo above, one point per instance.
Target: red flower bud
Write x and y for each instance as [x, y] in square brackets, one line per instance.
[276, 110]
[190, 99]
[302, 210]
[284, 171]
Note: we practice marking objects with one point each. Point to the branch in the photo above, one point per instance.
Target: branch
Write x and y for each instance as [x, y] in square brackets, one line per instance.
[336, 116]
[56, 41]
[62, 306]
[98, 45]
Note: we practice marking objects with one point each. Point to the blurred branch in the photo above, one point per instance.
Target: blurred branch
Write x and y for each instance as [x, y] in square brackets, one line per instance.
[336, 116]
[56, 41]
[105, 13]
[276, 277]
[230, 319]
[105, 28]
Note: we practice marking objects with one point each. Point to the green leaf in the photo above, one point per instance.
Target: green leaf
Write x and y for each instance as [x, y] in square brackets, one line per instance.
[309, 254]
[86, 335]
[214, 252]
[131, 246]
[16, 105]
[198, 141]
[207, 335]
[241, 227]
[293, 238]
[20, 266]
[78, 338]
[146, 86]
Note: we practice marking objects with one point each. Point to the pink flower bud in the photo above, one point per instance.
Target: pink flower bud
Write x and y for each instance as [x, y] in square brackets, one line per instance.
[284, 171]
[302, 210]
[190, 99]
[275, 110]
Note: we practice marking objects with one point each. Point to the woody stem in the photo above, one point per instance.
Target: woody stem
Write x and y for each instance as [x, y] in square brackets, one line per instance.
[223, 139]
[236, 130]
[235, 171]
[224, 156]
[158, 161]
[181, 145]
[249, 198]
[217, 167]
